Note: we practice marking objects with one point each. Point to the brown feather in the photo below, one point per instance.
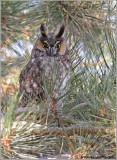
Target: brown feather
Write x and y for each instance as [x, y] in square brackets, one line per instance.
[43, 30]
[40, 46]
[63, 48]
[60, 31]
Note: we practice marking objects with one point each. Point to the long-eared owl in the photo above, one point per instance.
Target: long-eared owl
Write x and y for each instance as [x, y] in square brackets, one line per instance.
[49, 65]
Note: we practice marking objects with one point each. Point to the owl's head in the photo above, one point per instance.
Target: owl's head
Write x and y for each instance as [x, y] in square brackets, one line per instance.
[52, 44]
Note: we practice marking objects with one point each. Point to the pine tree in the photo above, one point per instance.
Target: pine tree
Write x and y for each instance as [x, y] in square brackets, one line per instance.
[88, 114]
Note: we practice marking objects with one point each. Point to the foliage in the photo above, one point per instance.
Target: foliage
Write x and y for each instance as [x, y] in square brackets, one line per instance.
[88, 114]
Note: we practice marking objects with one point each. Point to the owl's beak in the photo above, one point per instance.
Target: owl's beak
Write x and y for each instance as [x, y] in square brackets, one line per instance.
[52, 51]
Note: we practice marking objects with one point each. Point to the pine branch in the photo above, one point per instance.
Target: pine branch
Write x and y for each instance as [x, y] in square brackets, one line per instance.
[78, 128]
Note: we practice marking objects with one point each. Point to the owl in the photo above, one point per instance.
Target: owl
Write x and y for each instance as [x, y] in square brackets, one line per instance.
[48, 69]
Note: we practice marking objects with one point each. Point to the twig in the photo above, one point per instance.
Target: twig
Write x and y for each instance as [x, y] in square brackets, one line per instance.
[80, 105]
[20, 110]
[76, 107]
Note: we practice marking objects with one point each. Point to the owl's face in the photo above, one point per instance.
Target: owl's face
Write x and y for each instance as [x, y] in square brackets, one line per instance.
[52, 44]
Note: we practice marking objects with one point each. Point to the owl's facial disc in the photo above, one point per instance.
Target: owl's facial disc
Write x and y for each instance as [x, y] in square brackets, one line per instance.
[50, 49]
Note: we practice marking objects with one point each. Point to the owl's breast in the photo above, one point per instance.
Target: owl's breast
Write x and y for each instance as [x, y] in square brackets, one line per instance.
[56, 71]
[55, 67]
[44, 71]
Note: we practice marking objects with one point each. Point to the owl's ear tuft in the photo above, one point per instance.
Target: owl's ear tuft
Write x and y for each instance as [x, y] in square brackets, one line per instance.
[43, 29]
[60, 31]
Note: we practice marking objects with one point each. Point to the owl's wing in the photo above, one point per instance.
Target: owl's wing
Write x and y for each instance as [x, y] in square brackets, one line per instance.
[30, 82]
[30, 76]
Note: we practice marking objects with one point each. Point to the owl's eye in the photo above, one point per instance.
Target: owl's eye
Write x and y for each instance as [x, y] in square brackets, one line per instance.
[58, 45]
[45, 45]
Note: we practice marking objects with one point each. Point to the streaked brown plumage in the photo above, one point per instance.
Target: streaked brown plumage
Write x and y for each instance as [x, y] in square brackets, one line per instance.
[50, 60]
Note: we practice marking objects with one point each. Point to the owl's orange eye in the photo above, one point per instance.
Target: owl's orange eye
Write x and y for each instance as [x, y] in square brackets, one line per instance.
[45, 45]
[58, 45]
